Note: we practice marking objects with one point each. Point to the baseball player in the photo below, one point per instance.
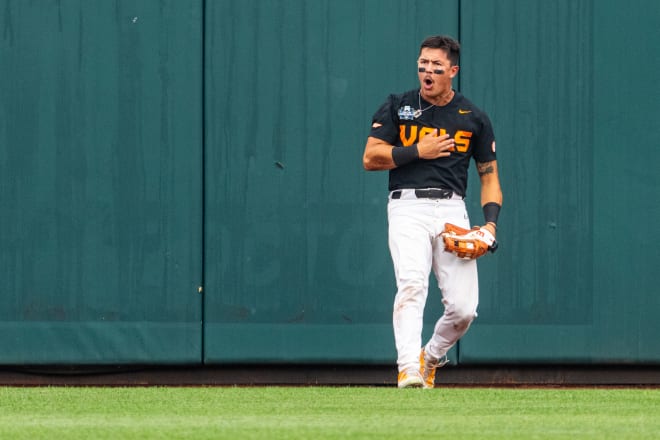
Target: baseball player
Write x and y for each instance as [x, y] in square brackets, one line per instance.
[425, 138]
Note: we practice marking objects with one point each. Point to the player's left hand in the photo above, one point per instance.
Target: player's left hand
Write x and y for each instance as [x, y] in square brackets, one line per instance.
[491, 228]
[468, 244]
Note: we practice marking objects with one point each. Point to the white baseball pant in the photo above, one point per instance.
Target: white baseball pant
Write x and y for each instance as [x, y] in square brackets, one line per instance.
[416, 248]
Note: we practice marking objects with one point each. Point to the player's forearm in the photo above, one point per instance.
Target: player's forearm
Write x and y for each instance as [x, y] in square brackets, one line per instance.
[491, 195]
[491, 192]
[491, 202]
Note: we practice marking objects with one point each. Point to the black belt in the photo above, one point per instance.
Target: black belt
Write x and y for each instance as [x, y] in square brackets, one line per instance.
[430, 193]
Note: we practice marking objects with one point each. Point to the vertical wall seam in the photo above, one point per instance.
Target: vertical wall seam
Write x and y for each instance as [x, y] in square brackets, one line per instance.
[459, 37]
[459, 19]
[203, 180]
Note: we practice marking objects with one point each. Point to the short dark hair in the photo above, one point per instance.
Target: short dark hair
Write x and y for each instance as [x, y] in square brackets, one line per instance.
[448, 44]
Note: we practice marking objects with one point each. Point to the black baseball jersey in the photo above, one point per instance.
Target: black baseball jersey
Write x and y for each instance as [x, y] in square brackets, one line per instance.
[401, 127]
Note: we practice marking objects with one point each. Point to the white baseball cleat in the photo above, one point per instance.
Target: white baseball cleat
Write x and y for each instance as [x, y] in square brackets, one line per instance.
[410, 379]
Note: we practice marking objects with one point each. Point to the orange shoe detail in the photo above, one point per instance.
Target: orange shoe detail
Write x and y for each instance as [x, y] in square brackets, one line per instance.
[427, 370]
[409, 379]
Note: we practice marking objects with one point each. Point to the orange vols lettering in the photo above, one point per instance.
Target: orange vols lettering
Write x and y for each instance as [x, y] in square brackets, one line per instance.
[408, 141]
[462, 140]
[424, 131]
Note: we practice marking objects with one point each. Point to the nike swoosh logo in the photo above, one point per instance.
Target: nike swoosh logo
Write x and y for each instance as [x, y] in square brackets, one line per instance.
[464, 112]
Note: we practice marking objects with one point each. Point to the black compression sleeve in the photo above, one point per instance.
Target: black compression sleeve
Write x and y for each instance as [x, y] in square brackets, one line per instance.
[491, 212]
[404, 155]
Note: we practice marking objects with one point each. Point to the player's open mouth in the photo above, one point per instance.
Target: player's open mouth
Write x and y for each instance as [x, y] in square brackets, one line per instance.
[428, 83]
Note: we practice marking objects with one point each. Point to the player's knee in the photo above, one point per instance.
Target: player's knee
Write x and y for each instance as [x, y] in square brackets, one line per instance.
[410, 292]
[462, 323]
[462, 317]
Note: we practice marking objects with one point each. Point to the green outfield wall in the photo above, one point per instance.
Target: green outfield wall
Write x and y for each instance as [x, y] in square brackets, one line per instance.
[101, 182]
[181, 181]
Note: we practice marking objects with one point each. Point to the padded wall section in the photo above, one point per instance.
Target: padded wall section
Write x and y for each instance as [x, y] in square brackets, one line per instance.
[297, 264]
[100, 181]
[573, 152]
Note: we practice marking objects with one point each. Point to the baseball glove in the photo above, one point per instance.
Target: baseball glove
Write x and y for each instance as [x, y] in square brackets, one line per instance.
[468, 244]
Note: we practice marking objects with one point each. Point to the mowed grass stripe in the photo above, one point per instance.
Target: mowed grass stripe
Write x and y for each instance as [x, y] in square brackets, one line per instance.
[327, 413]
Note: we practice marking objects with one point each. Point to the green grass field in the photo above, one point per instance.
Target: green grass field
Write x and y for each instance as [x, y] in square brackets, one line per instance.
[327, 413]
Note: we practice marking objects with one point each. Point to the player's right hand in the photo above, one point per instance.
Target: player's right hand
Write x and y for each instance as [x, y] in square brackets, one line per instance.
[433, 146]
